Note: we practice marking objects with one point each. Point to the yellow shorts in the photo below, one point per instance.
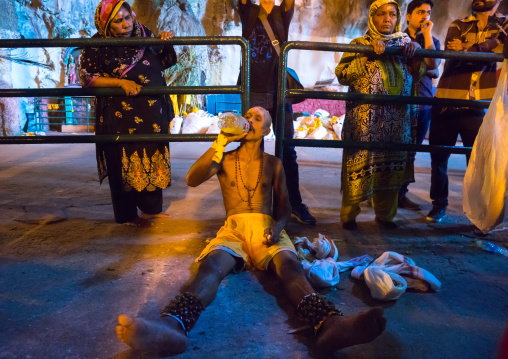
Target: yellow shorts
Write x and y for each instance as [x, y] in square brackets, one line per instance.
[243, 235]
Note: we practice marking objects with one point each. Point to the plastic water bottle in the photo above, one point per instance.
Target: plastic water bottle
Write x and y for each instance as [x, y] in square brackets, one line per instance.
[233, 124]
[491, 247]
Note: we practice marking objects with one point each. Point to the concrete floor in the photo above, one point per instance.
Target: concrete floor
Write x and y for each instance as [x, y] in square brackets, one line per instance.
[67, 270]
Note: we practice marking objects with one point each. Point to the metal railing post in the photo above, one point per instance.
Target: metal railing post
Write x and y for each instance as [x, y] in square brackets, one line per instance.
[281, 102]
[245, 79]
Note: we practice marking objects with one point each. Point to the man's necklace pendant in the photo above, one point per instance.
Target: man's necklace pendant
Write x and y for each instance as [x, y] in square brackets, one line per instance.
[238, 170]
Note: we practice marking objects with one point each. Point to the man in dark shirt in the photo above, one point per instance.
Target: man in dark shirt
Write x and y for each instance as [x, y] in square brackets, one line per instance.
[419, 28]
[264, 66]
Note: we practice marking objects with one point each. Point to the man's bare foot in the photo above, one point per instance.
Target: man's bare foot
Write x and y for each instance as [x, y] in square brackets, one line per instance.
[340, 332]
[139, 222]
[166, 335]
[152, 217]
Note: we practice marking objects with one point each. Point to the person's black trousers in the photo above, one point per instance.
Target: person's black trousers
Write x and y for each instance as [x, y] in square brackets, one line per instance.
[445, 126]
[422, 128]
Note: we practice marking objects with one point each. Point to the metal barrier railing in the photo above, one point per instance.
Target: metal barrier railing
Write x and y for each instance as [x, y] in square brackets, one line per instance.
[283, 93]
[243, 89]
[67, 111]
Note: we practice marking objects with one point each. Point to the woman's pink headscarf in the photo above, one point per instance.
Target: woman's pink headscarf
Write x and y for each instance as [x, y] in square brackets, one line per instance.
[105, 13]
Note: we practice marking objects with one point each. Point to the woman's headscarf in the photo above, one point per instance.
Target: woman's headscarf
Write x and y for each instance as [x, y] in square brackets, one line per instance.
[373, 31]
[393, 78]
[106, 12]
[114, 61]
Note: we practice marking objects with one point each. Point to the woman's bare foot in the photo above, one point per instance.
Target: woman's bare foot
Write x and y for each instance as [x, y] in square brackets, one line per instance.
[152, 217]
[165, 335]
[340, 332]
[139, 222]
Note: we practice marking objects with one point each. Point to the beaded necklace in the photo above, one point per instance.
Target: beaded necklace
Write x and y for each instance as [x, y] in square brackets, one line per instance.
[238, 169]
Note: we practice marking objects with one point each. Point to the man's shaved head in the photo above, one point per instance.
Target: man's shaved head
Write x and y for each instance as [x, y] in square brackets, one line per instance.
[266, 116]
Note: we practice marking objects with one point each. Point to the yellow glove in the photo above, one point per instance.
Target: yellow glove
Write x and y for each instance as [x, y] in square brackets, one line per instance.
[219, 146]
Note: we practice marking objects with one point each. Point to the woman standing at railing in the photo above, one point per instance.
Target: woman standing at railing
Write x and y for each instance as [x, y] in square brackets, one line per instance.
[137, 172]
[378, 174]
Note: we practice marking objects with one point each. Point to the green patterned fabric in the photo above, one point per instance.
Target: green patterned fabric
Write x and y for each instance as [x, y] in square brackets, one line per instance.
[365, 172]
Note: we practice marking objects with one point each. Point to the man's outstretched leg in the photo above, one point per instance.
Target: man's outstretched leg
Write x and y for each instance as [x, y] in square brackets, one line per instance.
[333, 330]
[169, 334]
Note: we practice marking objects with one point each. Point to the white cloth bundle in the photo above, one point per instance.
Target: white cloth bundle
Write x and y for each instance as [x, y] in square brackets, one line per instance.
[319, 260]
[391, 274]
[322, 272]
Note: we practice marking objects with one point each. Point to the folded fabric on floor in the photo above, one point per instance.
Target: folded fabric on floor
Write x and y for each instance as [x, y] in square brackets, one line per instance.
[322, 272]
[391, 274]
[319, 260]
[354, 262]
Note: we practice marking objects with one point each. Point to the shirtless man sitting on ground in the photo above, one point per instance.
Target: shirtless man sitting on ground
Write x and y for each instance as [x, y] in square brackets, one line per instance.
[253, 234]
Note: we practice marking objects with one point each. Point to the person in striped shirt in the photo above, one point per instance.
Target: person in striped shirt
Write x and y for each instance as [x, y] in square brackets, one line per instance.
[482, 31]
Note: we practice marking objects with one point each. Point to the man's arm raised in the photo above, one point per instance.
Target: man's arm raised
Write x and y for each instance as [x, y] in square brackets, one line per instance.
[281, 205]
[426, 29]
[211, 161]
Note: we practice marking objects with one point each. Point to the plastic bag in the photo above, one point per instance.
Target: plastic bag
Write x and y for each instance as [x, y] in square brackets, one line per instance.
[326, 122]
[196, 122]
[321, 113]
[330, 136]
[318, 133]
[214, 128]
[301, 132]
[175, 125]
[271, 136]
[337, 127]
[485, 179]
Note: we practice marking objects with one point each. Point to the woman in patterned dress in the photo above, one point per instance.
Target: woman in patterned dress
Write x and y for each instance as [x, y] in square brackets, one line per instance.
[137, 172]
[377, 174]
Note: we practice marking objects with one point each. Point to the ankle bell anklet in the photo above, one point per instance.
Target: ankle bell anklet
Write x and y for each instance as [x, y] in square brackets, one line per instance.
[314, 309]
[185, 308]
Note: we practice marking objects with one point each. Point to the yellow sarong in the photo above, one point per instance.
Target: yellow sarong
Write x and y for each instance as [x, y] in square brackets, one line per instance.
[243, 235]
